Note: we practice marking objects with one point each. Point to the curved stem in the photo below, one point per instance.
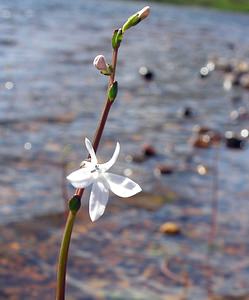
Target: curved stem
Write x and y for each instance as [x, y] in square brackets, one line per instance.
[63, 256]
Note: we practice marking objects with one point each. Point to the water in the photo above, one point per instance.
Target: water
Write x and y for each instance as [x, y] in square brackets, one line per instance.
[51, 97]
[47, 48]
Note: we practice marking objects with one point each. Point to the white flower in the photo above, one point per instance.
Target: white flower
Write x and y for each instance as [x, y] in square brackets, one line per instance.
[102, 181]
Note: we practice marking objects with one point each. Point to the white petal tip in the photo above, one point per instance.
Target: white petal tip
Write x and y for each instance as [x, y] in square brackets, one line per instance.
[133, 192]
[87, 140]
[94, 219]
[74, 176]
[139, 190]
[69, 177]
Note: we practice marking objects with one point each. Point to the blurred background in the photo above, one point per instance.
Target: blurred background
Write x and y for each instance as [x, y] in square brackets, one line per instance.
[181, 117]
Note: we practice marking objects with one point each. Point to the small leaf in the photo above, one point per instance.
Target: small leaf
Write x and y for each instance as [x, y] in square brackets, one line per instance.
[117, 38]
[113, 91]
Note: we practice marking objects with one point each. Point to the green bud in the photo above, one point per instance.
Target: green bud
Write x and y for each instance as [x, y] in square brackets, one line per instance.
[136, 18]
[113, 91]
[132, 21]
[74, 204]
[117, 38]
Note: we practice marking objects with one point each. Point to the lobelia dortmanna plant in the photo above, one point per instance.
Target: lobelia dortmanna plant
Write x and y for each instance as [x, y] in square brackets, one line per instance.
[90, 171]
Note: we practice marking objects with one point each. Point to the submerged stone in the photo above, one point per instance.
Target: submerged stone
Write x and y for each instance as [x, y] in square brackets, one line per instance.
[201, 141]
[187, 112]
[149, 150]
[170, 228]
[205, 137]
[233, 141]
[163, 170]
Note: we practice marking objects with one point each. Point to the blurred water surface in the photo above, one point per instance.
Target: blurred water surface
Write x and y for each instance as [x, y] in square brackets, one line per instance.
[51, 98]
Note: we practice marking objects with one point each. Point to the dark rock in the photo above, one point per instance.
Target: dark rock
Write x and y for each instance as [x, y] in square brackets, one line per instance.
[164, 170]
[147, 74]
[186, 112]
[234, 141]
[149, 150]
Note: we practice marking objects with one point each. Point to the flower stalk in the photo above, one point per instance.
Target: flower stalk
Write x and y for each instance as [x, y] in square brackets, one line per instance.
[75, 202]
[63, 256]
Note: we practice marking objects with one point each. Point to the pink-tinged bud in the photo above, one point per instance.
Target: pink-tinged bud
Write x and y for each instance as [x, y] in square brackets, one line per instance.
[100, 63]
[143, 13]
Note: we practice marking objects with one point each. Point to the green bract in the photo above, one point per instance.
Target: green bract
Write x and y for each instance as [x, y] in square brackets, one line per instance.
[117, 38]
[74, 204]
[113, 91]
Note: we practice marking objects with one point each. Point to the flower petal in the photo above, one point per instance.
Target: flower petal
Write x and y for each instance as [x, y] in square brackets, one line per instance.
[98, 200]
[81, 178]
[106, 166]
[91, 151]
[122, 186]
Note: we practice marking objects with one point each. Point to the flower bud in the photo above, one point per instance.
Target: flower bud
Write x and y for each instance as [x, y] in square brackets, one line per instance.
[136, 18]
[100, 63]
[143, 13]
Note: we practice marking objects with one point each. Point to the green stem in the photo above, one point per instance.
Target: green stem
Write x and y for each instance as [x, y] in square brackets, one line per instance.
[62, 263]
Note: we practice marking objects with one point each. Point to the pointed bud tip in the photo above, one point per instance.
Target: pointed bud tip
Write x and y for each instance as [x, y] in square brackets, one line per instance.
[144, 12]
[100, 63]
